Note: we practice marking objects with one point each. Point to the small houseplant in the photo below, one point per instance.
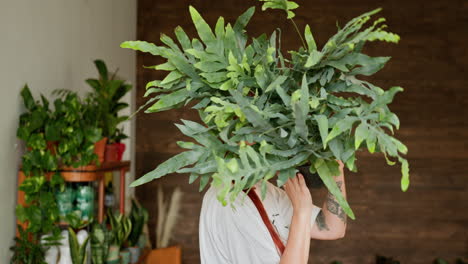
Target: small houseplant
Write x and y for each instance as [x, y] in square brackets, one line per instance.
[78, 247]
[108, 90]
[138, 216]
[121, 227]
[264, 112]
[81, 141]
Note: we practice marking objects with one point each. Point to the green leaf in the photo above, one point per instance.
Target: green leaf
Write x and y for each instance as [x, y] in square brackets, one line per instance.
[322, 122]
[169, 166]
[361, 133]
[341, 126]
[404, 174]
[102, 69]
[171, 77]
[277, 82]
[142, 46]
[371, 141]
[210, 66]
[182, 38]
[243, 19]
[203, 29]
[27, 98]
[327, 170]
[314, 58]
[168, 101]
[311, 45]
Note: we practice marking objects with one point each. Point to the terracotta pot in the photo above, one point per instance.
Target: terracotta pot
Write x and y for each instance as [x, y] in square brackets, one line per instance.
[170, 255]
[100, 148]
[114, 152]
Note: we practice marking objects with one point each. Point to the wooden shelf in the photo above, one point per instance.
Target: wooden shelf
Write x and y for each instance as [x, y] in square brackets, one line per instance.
[88, 173]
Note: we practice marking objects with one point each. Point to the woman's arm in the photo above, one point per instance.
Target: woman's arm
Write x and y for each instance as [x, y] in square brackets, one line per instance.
[331, 221]
[297, 247]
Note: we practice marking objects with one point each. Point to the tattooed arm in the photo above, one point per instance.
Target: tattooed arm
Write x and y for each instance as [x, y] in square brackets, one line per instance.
[331, 221]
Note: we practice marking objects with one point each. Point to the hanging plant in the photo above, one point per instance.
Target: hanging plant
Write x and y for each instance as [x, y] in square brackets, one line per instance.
[265, 114]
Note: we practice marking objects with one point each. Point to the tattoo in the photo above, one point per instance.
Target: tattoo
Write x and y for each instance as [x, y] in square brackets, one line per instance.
[334, 207]
[321, 223]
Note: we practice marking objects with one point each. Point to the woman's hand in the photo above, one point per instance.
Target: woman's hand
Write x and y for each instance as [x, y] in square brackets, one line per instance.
[299, 194]
[297, 247]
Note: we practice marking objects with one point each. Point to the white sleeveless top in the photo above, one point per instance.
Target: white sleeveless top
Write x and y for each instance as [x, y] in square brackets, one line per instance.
[238, 235]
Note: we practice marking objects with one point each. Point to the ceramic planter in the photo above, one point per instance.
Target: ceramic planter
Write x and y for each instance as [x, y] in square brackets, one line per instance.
[135, 254]
[125, 256]
[100, 148]
[114, 152]
[113, 253]
[169, 255]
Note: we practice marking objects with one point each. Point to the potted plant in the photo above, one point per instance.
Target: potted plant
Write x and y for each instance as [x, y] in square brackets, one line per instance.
[121, 227]
[264, 112]
[27, 250]
[78, 246]
[81, 141]
[108, 91]
[100, 239]
[138, 217]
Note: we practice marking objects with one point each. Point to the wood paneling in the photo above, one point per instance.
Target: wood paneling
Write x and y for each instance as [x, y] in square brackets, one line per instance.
[430, 62]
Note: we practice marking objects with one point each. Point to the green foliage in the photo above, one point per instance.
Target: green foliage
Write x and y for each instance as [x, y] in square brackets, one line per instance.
[77, 251]
[100, 239]
[106, 96]
[285, 5]
[62, 136]
[264, 113]
[138, 216]
[41, 211]
[26, 250]
[36, 129]
[121, 226]
[75, 120]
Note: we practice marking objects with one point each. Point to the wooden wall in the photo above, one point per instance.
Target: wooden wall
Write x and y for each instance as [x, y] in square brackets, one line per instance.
[430, 62]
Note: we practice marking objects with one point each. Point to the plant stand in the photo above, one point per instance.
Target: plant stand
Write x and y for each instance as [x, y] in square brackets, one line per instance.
[90, 173]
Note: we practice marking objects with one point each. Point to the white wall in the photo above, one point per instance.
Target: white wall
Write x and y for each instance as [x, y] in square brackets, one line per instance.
[51, 44]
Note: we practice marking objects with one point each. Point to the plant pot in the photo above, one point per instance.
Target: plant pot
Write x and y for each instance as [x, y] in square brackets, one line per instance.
[125, 256]
[114, 152]
[312, 180]
[142, 241]
[135, 254]
[100, 148]
[113, 253]
[169, 255]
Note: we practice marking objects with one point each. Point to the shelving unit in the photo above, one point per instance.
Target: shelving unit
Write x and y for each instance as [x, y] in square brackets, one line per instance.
[90, 173]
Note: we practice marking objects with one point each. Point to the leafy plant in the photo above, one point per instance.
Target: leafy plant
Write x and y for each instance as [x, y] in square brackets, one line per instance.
[77, 250]
[121, 226]
[27, 250]
[106, 95]
[138, 216]
[77, 127]
[264, 113]
[100, 239]
[36, 130]
[40, 210]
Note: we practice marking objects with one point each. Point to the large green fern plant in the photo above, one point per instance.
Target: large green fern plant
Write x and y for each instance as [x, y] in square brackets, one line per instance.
[264, 112]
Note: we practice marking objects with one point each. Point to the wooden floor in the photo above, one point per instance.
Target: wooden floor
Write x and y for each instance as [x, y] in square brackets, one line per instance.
[431, 62]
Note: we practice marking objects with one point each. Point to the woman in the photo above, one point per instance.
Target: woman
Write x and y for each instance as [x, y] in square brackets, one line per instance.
[238, 235]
